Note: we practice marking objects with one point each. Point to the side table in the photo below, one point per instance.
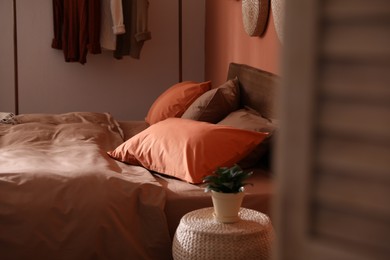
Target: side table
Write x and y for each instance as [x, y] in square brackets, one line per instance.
[200, 236]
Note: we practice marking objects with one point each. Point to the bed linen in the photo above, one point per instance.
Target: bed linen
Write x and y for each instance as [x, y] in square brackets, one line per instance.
[131, 128]
[63, 197]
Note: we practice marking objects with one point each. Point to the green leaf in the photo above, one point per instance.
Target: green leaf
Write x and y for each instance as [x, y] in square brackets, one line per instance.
[227, 179]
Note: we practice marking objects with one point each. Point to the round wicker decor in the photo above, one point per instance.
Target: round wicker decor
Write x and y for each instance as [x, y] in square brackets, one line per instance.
[277, 7]
[255, 16]
[200, 236]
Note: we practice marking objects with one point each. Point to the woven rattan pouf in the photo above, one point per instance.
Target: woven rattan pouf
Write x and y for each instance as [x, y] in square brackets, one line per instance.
[200, 236]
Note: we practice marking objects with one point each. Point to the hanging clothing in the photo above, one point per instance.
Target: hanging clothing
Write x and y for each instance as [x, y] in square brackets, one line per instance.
[135, 15]
[77, 28]
[112, 23]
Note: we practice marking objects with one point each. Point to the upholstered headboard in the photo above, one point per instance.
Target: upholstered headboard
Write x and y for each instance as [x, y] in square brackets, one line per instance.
[258, 88]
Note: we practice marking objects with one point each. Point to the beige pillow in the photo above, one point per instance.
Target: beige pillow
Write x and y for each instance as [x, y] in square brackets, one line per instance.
[215, 104]
[249, 119]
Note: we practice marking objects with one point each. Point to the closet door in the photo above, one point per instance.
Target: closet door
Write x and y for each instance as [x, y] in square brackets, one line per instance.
[7, 94]
[333, 154]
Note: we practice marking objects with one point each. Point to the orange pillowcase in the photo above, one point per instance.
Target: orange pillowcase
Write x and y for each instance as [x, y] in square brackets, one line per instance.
[175, 100]
[186, 149]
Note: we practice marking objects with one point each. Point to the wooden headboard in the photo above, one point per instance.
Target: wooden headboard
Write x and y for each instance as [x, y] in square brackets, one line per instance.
[258, 88]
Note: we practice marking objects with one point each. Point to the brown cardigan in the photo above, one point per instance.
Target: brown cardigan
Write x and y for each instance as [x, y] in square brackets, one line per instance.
[135, 16]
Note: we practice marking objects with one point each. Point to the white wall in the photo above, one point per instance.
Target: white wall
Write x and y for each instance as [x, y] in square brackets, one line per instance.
[126, 88]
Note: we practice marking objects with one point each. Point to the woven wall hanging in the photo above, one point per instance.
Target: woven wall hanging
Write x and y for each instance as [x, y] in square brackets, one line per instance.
[255, 16]
[277, 7]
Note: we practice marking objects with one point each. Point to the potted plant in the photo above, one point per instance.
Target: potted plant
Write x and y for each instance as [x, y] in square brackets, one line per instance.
[227, 192]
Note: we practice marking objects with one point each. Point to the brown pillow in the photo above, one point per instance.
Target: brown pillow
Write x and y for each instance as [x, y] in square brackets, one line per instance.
[249, 119]
[215, 104]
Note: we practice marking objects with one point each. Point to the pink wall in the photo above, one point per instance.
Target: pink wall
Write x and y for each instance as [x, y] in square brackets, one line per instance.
[227, 41]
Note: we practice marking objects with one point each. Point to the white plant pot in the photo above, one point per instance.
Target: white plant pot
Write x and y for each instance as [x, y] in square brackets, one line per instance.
[227, 206]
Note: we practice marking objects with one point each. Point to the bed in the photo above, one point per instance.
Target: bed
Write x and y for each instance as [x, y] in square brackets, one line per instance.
[71, 188]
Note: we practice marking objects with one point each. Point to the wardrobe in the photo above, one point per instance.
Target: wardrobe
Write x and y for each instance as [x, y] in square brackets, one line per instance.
[333, 153]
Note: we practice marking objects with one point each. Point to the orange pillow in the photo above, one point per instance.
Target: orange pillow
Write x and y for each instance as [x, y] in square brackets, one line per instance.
[175, 100]
[187, 149]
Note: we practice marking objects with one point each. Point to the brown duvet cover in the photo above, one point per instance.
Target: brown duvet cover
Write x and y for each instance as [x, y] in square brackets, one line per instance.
[63, 197]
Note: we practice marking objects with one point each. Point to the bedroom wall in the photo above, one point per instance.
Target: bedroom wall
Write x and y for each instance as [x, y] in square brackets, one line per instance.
[227, 41]
[126, 88]
[6, 57]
